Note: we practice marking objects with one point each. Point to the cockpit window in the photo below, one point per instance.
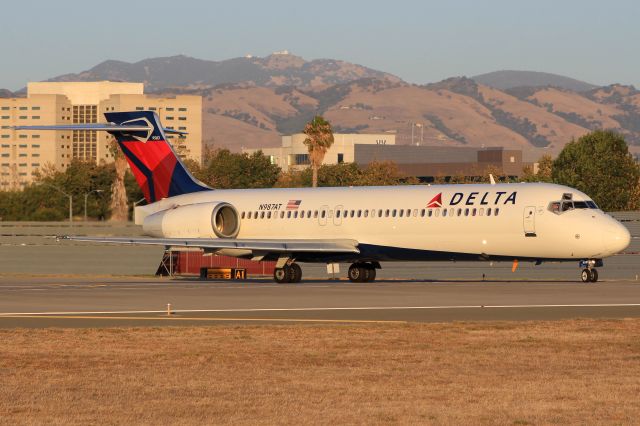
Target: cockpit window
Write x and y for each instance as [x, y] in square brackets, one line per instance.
[559, 207]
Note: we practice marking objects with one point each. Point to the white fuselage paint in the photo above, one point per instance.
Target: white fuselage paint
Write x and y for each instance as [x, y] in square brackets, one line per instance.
[523, 209]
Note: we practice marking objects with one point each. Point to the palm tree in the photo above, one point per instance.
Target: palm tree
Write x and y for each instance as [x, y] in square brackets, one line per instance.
[319, 140]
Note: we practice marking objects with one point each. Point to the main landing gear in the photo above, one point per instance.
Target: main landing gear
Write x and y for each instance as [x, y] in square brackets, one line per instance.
[590, 273]
[288, 274]
[362, 273]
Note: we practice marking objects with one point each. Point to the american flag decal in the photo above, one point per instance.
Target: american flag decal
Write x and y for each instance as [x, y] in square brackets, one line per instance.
[293, 204]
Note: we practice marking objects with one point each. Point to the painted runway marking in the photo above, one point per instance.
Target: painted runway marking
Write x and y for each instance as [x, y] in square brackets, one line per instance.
[311, 309]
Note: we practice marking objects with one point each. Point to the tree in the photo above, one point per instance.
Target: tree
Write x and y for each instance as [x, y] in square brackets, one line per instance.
[224, 169]
[599, 164]
[119, 206]
[319, 140]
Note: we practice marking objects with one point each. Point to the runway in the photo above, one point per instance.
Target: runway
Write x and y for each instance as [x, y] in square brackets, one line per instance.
[118, 302]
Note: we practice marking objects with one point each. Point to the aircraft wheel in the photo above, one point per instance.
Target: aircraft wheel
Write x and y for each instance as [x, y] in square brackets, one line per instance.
[594, 276]
[357, 273]
[295, 273]
[370, 275]
[282, 275]
[585, 276]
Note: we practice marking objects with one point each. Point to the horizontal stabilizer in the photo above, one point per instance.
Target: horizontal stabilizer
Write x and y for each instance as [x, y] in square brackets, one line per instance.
[106, 127]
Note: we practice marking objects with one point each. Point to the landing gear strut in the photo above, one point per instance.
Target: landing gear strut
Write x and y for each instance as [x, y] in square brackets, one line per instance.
[288, 274]
[362, 273]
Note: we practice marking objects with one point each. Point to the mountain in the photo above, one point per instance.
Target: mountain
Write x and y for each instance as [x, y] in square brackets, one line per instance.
[251, 102]
[453, 112]
[4, 93]
[504, 80]
[278, 69]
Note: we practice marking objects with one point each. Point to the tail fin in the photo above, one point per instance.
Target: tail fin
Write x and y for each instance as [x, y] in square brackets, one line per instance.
[154, 163]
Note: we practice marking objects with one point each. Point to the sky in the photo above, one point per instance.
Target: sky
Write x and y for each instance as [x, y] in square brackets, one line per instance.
[419, 41]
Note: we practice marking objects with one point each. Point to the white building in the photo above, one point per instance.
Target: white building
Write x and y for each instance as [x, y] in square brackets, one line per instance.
[294, 153]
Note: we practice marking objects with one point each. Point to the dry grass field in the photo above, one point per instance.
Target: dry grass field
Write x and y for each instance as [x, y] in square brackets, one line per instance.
[579, 372]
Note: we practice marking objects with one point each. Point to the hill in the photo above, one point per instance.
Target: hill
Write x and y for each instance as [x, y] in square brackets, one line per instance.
[507, 79]
[278, 69]
[4, 93]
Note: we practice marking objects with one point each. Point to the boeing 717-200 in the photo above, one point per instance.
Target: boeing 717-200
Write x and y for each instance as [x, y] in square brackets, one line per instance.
[363, 226]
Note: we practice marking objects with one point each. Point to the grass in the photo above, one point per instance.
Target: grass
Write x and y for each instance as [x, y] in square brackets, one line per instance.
[579, 371]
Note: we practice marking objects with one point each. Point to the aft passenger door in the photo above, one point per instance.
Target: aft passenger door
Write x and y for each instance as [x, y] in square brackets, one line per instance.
[529, 221]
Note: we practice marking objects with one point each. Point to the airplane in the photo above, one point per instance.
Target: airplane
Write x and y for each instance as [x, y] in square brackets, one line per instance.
[363, 226]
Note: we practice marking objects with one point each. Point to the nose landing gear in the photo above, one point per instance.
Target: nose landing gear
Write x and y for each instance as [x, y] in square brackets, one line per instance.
[590, 273]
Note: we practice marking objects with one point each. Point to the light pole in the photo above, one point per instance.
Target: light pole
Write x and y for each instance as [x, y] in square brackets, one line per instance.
[86, 196]
[135, 203]
[65, 194]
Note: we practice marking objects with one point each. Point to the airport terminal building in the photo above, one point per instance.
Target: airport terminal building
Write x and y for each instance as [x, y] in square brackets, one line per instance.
[22, 153]
[425, 162]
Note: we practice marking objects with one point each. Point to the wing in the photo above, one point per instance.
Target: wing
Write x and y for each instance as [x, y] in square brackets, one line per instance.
[265, 246]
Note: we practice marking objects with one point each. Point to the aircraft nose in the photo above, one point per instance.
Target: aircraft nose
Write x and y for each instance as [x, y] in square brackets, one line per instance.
[616, 237]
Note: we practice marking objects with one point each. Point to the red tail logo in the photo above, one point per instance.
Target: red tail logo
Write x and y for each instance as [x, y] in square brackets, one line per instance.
[435, 202]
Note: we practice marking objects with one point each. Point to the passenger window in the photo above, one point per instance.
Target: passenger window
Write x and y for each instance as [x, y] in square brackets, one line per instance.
[268, 215]
[366, 213]
[261, 215]
[430, 212]
[422, 212]
[401, 212]
[444, 213]
[353, 213]
[281, 215]
[452, 212]
[323, 214]
[295, 214]
[386, 213]
[408, 212]
[473, 212]
[380, 213]
[459, 212]
[489, 211]
[249, 215]
[466, 212]
[288, 215]
[415, 212]
[337, 213]
[359, 213]
[315, 214]
[242, 215]
[437, 212]
[496, 212]
[394, 212]
[309, 214]
[481, 212]
[373, 213]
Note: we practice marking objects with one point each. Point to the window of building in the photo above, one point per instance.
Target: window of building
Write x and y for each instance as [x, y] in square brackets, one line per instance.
[5, 108]
[182, 118]
[23, 117]
[22, 136]
[6, 146]
[152, 108]
[23, 108]
[35, 137]
[5, 154]
[35, 117]
[301, 159]
[5, 117]
[168, 118]
[139, 108]
[22, 146]
[340, 157]
[169, 108]
[22, 165]
[35, 164]
[5, 136]
[182, 128]
[22, 154]
[35, 108]
[182, 109]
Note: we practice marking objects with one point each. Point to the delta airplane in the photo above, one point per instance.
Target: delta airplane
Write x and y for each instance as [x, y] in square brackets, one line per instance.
[364, 226]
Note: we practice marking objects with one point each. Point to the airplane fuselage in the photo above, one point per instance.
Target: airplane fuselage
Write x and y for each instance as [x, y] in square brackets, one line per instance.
[436, 222]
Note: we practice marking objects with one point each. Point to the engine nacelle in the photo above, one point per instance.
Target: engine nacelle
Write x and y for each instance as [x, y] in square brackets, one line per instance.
[205, 220]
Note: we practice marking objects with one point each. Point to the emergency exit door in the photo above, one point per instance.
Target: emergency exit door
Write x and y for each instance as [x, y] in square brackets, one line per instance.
[529, 221]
